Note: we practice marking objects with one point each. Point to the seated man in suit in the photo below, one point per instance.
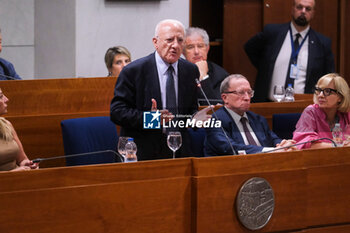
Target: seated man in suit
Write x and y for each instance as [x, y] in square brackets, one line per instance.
[246, 130]
[7, 71]
[196, 51]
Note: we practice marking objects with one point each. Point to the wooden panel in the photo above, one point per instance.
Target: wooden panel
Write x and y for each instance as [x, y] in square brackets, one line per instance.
[311, 187]
[276, 11]
[94, 174]
[49, 96]
[345, 39]
[242, 20]
[328, 195]
[154, 206]
[216, 206]
[332, 229]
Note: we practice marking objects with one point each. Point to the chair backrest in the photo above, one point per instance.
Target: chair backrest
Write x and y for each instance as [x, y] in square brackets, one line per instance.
[197, 141]
[283, 124]
[89, 134]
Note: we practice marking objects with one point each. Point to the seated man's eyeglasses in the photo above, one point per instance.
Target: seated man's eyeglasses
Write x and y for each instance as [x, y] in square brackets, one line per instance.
[326, 91]
[241, 93]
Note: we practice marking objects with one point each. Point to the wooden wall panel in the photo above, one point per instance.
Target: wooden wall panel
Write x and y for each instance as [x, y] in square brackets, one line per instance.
[242, 20]
[152, 206]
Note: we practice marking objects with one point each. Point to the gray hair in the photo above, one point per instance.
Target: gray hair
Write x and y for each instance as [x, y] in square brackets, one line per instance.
[198, 31]
[225, 84]
[173, 21]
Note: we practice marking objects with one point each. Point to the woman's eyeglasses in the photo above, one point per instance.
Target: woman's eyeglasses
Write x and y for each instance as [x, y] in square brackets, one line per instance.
[326, 91]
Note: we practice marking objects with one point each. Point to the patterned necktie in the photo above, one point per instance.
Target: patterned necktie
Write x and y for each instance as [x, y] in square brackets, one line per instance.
[250, 138]
[170, 91]
[292, 60]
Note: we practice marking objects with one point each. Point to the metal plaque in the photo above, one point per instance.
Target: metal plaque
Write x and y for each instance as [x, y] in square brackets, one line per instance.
[255, 203]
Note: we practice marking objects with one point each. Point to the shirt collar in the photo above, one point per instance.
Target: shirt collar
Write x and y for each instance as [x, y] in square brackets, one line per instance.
[163, 66]
[236, 117]
[302, 33]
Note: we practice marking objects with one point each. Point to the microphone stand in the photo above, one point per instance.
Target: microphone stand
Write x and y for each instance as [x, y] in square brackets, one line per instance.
[212, 109]
[38, 160]
[301, 143]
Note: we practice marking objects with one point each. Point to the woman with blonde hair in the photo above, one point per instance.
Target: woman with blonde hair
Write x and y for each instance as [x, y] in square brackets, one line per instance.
[331, 106]
[12, 156]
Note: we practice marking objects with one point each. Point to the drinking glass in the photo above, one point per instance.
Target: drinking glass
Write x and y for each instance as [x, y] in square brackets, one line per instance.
[121, 145]
[279, 93]
[174, 141]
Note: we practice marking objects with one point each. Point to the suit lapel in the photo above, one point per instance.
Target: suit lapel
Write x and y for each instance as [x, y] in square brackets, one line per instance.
[234, 131]
[259, 132]
[154, 81]
[279, 42]
[313, 52]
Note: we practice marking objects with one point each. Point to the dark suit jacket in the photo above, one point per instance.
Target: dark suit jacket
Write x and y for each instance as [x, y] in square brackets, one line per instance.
[7, 69]
[211, 85]
[264, 48]
[216, 142]
[137, 84]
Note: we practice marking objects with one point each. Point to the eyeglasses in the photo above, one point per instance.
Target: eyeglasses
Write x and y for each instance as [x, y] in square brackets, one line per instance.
[241, 93]
[326, 91]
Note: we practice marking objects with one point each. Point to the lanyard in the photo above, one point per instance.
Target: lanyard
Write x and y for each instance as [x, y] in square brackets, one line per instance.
[295, 52]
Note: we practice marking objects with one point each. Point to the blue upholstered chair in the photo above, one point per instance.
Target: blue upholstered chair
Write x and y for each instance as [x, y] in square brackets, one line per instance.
[89, 134]
[283, 124]
[197, 141]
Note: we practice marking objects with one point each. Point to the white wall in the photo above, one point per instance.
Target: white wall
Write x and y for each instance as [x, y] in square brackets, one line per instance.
[68, 38]
[17, 29]
[103, 24]
[55, 38]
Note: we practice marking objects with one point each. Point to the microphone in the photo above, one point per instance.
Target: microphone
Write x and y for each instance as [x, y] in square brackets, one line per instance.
[8, 77]
[211, 108]
[301, 143]
[38, 160]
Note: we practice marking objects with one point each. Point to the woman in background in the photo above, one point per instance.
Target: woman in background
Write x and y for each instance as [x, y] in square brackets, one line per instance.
[331, 106]
[12, 156]
[116, 58]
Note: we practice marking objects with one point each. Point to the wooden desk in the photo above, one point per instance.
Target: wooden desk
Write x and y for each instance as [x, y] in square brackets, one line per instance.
[37, 107]
[191, 195]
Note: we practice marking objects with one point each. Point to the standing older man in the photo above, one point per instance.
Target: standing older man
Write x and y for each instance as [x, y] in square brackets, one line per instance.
[246, 130]
[290, 53]
[160, 80]
[196, 51]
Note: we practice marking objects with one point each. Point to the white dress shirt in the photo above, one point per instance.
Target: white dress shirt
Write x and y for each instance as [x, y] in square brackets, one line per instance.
[282, 62]
[162, 68]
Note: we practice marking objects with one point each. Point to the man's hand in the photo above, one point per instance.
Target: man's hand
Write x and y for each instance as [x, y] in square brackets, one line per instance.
[203, 115]
[203, 69]
[165, 114]
[285, 143]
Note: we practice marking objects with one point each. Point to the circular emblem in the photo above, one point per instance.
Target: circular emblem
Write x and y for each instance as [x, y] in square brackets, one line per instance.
[255, 203]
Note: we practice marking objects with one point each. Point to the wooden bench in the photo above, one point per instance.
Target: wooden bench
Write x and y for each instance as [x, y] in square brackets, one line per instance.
[37, 107]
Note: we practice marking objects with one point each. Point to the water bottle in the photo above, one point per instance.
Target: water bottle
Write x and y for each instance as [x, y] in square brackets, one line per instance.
[337, 133]
[289, 94]
[130, 149]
